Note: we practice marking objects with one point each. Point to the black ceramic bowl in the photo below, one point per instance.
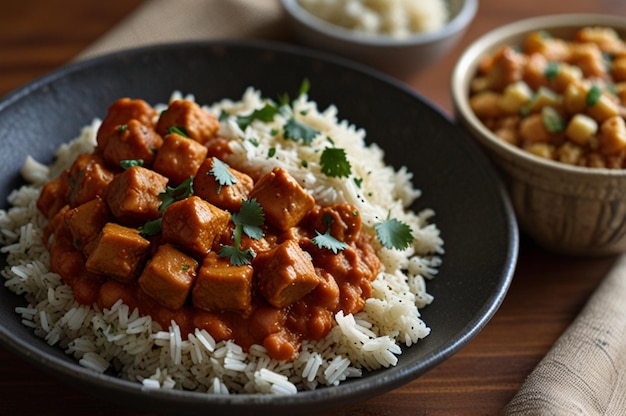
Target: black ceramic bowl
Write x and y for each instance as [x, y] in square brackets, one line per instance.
[472, 209]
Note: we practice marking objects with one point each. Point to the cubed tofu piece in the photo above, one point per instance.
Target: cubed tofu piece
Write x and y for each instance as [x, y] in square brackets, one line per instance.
[199, 124]
[169, 276]
[119, 114]
[228, 196]
[284, 201]
[54, 195]
[119, 252]
[85, 222]
[179, 158]
[133, 196]
[284, 274]
[194, 224]
[89, 178]
[221, 286]
[132, 141]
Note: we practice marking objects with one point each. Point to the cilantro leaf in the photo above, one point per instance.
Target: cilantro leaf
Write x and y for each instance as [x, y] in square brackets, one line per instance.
[265, 114]
[593, 96]
[248, 220]
[304, 87]
[334, 162]
[180, 130]
[250, 217]
[127, 163]
[326, 240]
[394, 234]
[173, 194]
[296, 130]
[151, 228]
[222, 175]
[237, 257]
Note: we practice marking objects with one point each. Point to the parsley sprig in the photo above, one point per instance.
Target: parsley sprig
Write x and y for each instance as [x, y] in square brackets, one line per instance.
[247, 221]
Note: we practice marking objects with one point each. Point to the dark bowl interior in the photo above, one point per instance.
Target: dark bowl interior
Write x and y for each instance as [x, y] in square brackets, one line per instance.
[472, 209]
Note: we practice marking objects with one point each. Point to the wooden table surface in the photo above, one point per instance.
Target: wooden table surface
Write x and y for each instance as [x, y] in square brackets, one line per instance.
[548, 290]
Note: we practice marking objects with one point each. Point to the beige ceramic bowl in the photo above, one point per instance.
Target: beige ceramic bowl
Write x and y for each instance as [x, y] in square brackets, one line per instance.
[398, 57]
[567, 209]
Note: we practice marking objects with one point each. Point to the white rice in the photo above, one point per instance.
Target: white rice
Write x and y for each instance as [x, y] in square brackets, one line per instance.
[134, 347]
[394, 18]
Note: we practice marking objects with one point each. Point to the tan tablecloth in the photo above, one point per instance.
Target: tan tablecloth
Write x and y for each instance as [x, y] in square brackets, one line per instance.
[583, 374]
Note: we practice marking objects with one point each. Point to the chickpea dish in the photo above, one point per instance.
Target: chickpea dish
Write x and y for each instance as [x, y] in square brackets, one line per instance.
[559, 99]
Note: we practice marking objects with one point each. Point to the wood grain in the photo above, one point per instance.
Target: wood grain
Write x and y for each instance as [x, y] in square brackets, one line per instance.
[37, 36]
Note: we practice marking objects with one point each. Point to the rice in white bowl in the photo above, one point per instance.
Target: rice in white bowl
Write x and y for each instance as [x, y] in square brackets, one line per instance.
[393, 18]
[121, 342]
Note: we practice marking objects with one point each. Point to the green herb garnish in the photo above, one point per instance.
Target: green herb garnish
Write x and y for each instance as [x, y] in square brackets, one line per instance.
[593, 95]
[129, 163]
[326, 240]
[180, 130]
[394, 234]
[222, 175]
[248, 220]
[334, 162]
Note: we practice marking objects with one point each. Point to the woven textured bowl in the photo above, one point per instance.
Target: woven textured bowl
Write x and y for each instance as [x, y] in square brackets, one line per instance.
[567, 209]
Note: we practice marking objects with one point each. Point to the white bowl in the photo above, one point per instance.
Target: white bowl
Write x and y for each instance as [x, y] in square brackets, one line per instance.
[399, 57]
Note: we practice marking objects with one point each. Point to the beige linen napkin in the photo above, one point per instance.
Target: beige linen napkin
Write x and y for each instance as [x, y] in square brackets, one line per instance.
[585, 371]
[164, 21]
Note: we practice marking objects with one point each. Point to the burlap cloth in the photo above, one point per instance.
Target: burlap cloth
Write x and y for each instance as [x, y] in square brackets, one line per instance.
[585, 371]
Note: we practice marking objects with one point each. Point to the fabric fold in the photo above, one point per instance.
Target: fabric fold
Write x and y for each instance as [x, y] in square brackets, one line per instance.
[166, 21]
[584, 373]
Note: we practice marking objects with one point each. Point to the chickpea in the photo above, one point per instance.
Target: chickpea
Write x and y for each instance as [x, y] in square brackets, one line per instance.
[486, 105]
[612, 136]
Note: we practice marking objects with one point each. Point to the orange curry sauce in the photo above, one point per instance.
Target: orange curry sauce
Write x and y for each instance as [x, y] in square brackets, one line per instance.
[288, 292]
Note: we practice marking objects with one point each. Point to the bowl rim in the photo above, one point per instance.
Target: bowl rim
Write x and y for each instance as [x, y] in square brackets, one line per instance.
[466, 65]
[458, 23]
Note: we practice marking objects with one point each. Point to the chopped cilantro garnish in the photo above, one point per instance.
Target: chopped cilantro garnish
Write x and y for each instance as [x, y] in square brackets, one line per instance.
[173, 194]
[298, 131]
[125, 164]
[248, 220]
[358, 182]
[326, 240]
[552, 70]
[221, 173]
[593, 96]
[121, 128]
[334, 162]
[265, 114]
[180, 130]
[271, 152]
[394, 234]
[151, 228]
[552, 120]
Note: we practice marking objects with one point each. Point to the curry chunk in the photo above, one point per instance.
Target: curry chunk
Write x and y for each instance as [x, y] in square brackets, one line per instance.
[284, 274]
[344, 221]
[196, 122]
[221, 286]
[119, 114]
[194, 224]
[179, 158]
[133, 196]
[132, 141]
[54, 195]
[207, 187]
[169, 276]
[85, 222]
[284, 201]
[119, 252]
[89, 177]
